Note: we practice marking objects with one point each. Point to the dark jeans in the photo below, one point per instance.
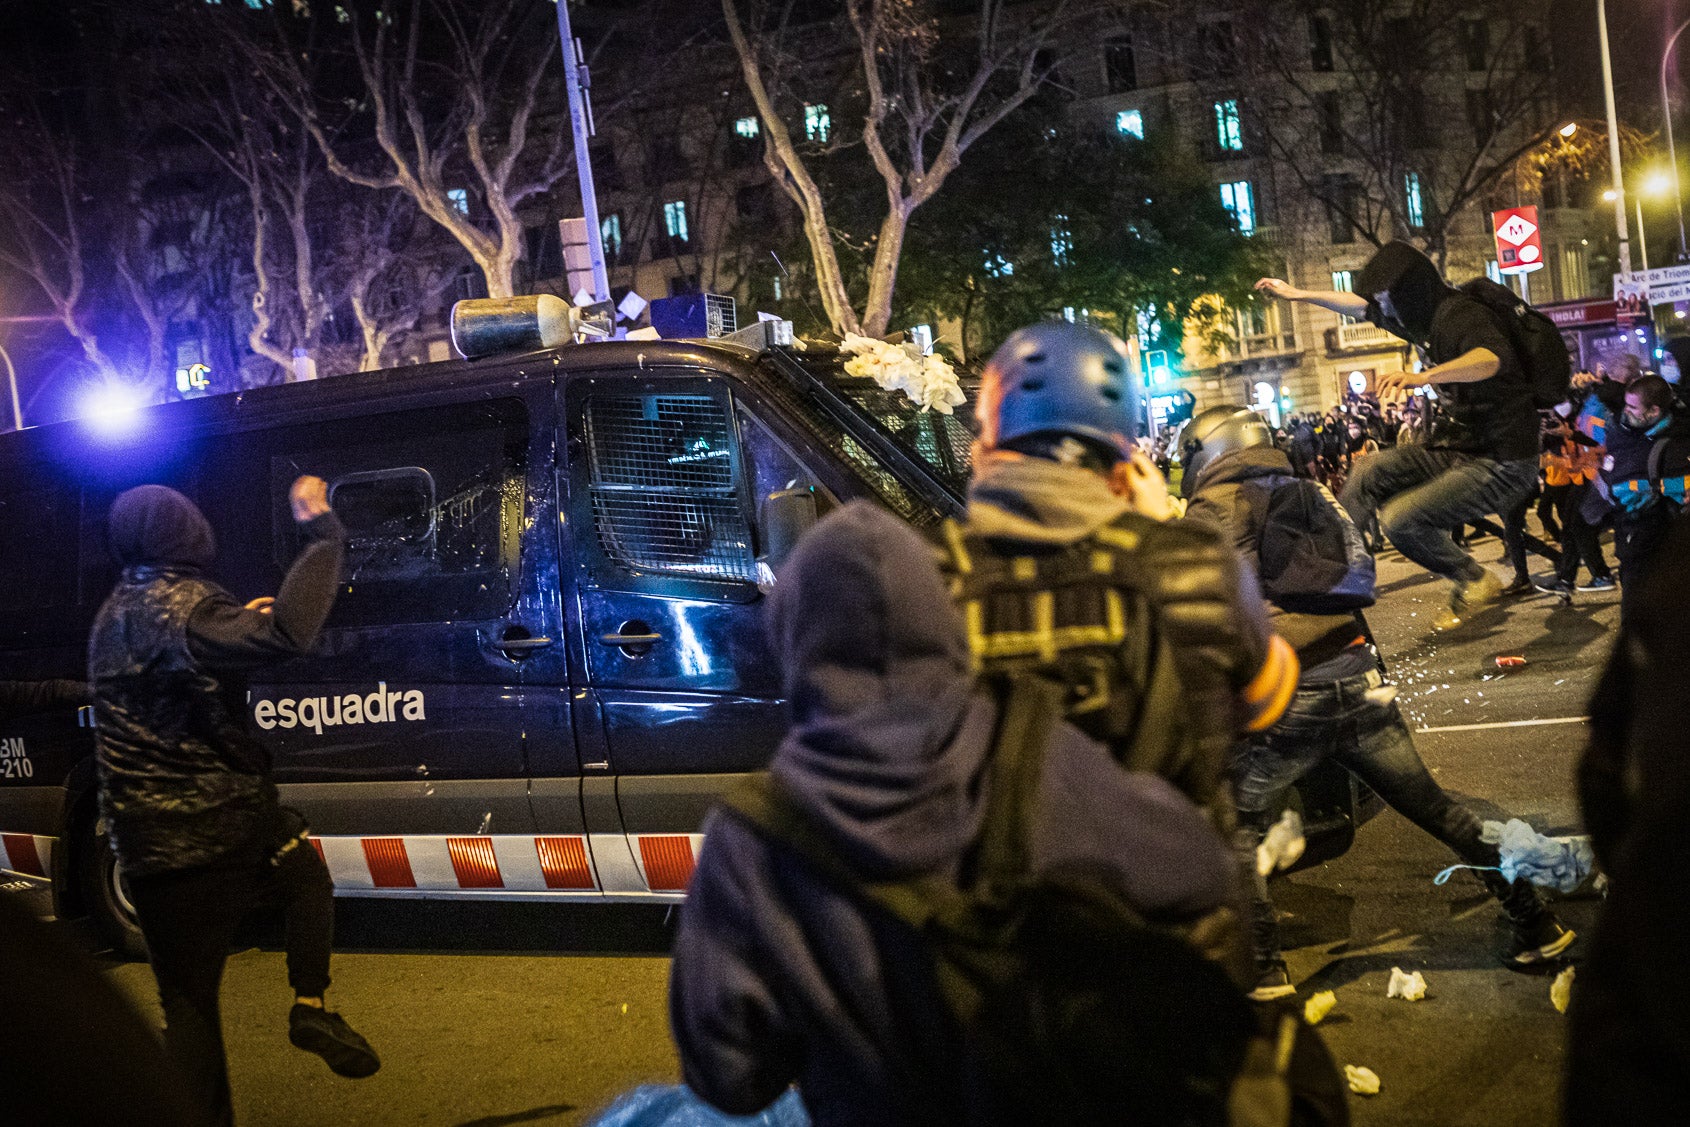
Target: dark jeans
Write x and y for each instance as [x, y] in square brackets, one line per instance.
[1637, 541]
[1421, 492]
[1352, 723]
[1514, 538]
[1581, 541]
[189, 918]
[1552, 509]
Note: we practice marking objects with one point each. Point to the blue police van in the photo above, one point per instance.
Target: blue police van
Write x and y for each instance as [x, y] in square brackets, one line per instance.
[546, 658]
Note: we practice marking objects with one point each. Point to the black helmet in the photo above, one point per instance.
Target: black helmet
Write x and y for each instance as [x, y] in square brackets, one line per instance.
[1056, 379]
[1217, 431]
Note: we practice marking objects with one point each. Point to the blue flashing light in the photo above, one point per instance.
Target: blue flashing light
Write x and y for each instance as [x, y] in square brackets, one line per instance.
[112, 407]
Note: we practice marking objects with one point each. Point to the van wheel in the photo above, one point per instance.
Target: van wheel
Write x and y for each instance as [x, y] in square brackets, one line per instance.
[105, 894]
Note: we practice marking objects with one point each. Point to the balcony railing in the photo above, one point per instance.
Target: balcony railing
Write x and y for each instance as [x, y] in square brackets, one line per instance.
[1360, 335]
[1267, 344]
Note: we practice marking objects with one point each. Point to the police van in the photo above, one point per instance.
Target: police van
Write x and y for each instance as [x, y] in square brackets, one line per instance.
[546, 658]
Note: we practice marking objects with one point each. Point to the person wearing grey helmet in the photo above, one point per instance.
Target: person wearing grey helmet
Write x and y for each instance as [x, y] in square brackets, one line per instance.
[1343, 710]
[1068, 565]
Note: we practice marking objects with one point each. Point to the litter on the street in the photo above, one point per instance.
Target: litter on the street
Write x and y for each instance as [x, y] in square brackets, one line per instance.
[1513, 661]
[1409, 987]
[1362, 1081]
[1561, 990]
[1318, 1006]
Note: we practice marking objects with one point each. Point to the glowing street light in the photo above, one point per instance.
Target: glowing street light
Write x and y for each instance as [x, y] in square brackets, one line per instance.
[1568, 130]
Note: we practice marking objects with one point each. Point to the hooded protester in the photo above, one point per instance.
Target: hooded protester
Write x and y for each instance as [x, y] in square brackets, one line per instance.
[1343, 709]
[779, 975]
[187, 793]
[1068, 565]
[1480, 453]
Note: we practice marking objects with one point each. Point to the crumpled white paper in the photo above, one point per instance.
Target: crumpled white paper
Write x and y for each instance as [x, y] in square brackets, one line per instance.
[1362, 1081]
[1561, 863]
[1408, 987]
[1318, 1006]
[929, 381]
[1282, 844]
[1561, 990]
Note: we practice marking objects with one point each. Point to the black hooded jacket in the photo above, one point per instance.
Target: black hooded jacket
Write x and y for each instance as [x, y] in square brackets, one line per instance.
[1493, 417]
[181, 782]
[781, 977]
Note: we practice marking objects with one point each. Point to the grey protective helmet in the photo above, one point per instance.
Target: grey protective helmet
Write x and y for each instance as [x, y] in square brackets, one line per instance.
[1058, 378]
[1217, 431]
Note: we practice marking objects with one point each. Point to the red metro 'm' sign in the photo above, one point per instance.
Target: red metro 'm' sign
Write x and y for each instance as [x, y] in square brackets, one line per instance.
[1519, 240]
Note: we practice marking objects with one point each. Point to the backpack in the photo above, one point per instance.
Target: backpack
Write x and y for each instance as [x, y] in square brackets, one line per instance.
[1538, 344]
[1312, 558]
[1066, 999]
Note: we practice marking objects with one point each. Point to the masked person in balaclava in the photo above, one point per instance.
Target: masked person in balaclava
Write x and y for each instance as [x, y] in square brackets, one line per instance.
[1480, 456]
[186, 792]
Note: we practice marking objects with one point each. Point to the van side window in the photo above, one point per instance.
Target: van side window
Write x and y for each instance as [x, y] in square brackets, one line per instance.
[666, 483]
[432, 501]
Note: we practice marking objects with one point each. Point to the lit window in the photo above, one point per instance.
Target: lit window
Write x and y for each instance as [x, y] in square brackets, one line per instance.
[1238, 198]
[747, 127]
[818, 125]
[610, 232]
[1130, 123]
[1229, 129]
[922, 337]
[780, 290]
[459, 199]
[675, 220]
[997, 266]
[1061, 241]
[1148, 330]
[1068, 313]
[1411, 197]
[1343, 281]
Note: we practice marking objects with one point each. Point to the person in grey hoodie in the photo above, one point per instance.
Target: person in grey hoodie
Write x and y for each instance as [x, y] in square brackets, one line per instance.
[779, 977]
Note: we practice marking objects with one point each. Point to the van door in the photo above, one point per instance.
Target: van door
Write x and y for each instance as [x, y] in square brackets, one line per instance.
[662, 485]
[406, 736]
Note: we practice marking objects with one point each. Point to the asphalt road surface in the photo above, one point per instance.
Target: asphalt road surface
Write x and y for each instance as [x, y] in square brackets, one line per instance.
[512, 1014]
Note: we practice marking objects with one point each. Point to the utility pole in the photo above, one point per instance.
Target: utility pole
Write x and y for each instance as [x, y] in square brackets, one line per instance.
[1613, 137]
[1672, 154]
[577, 81]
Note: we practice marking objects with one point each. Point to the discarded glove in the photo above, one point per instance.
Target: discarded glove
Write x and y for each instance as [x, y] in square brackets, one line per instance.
[1318, 1006]
[1362, 1081]
[1282, 845]
[1408, 987]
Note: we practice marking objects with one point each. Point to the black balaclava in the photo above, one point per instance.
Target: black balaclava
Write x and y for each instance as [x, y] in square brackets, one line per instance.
[1415, 286]
[156, 526]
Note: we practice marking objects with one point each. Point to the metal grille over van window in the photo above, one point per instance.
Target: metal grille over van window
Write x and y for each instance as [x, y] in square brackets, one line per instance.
[665, 485]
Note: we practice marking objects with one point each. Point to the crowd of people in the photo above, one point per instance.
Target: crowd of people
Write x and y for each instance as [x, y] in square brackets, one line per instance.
[1005, 867]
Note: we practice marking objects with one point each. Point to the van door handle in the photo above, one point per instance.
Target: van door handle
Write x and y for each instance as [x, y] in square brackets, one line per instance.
[522, 644]
[630, 639]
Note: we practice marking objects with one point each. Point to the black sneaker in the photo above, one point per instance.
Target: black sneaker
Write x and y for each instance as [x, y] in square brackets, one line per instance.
[328, 1035]
[1542, 941]
[1552, 584]
[1520, 586]
[1274, 983]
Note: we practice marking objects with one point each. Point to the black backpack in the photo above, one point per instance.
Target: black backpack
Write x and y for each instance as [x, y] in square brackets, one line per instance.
[1071, 1008]
[1312, 559]
[1538, 344]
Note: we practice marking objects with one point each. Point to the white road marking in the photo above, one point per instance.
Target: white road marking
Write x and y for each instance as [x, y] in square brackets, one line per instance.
[1506, 724]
